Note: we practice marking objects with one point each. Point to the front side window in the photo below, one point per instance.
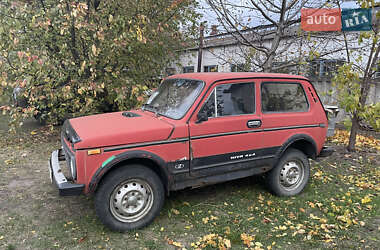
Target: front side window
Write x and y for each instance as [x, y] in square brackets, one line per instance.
[174, 97]
[231, 99]
[283, 97]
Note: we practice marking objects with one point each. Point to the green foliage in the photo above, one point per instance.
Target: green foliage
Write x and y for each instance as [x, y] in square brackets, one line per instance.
[347, 82]
[347, 123]
[353, 79]
[84, 57]
[372, 115]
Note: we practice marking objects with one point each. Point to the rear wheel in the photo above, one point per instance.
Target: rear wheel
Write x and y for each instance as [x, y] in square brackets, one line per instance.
[129, 198]
[291, 174]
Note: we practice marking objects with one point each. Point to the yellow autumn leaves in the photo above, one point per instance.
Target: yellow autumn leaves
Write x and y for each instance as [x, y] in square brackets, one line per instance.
[207, 219]
[249, 241]
[209, 240]
[366, 199]
[342, 136]
[212, 240]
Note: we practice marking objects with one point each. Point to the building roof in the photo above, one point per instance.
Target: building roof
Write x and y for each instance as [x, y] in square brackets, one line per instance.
[210, 77]
[254, 35]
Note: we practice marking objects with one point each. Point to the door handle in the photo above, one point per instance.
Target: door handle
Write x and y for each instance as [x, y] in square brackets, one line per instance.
[254, 123]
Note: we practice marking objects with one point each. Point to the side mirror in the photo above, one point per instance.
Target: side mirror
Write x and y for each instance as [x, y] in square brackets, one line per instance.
[202, 116]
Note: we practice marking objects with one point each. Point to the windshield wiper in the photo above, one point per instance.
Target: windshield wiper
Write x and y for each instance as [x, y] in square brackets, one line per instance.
[150, 108]
[147, 106]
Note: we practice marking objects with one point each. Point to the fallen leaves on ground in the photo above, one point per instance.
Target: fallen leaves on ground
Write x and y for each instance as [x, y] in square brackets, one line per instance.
[175, 211]
[247, 239]
[342, 137]
[174, 243]
[212, 240]
[9, 162]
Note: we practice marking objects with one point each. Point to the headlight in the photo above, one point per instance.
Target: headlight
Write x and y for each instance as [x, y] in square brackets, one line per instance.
[69, 133]
[73, 169]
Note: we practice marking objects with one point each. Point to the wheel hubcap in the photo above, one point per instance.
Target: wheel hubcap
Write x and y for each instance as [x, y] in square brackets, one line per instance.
[291, 175]
[131, 200]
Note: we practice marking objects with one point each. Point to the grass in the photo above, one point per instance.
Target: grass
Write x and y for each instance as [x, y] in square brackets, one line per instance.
[338, 209]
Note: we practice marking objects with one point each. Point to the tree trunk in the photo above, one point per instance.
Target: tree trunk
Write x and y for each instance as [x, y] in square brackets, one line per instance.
[267, 67]
[354, 130]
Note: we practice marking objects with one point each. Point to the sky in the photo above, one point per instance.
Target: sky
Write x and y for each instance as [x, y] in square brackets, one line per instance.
[211, 18]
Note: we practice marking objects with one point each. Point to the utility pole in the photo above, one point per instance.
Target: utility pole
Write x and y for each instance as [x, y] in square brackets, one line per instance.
[200, 49]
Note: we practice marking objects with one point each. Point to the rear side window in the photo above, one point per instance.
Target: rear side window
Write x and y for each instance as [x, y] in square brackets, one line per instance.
[283, 97]
[231, 99]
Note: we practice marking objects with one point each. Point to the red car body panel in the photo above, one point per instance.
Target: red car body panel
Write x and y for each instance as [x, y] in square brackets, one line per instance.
[112, 129]
[228, 124]
[187, 144]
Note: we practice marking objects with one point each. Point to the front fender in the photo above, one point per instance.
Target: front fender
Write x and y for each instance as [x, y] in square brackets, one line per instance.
[130, 156]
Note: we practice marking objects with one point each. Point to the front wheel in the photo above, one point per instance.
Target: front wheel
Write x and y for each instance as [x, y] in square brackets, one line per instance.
[129, 198]
[291, 174]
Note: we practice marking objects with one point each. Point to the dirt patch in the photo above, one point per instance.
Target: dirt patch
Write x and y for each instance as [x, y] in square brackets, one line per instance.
[17, 184]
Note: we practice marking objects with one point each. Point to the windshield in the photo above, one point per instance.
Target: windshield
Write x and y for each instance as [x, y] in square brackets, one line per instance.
[174, 97]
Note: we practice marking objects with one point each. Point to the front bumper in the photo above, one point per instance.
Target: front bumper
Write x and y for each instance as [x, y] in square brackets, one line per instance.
[65, 187]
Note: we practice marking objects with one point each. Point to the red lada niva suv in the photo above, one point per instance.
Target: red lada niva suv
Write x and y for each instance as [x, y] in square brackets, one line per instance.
[196, 129]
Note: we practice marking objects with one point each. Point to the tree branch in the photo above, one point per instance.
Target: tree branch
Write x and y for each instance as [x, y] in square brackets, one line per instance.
[264, 13]
[267, 7]
[43, 5]
[225, 16]
[73, 50]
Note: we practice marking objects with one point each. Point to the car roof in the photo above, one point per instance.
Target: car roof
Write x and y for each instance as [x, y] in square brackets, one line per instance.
[210, 77]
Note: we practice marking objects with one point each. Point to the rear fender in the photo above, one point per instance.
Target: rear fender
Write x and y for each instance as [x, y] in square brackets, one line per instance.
[310, 150]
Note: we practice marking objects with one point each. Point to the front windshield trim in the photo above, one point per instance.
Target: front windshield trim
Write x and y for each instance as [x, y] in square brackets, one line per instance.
[185, 113]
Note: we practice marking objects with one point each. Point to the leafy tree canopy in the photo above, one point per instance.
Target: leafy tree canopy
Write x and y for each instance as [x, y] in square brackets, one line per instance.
[79, 57]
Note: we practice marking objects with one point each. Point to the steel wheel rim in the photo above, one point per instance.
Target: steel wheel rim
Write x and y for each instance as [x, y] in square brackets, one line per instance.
[131, 200]
[292, 174]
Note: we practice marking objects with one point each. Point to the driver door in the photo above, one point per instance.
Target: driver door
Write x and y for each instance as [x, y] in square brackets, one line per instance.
[230, 137]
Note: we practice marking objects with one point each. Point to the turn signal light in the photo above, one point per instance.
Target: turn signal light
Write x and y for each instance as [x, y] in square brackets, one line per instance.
[94, 151]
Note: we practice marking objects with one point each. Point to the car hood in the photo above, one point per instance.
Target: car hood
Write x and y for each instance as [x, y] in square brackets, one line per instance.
[111, 129]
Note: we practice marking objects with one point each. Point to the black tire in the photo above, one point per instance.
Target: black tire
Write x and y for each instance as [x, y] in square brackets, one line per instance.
[129, 198]
[291, 174]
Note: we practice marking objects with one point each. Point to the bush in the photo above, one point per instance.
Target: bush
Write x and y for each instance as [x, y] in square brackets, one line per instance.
[84, 57]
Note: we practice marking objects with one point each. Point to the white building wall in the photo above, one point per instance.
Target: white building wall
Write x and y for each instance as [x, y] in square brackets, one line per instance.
[298, 48]
[223, 57]
[327, 47]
